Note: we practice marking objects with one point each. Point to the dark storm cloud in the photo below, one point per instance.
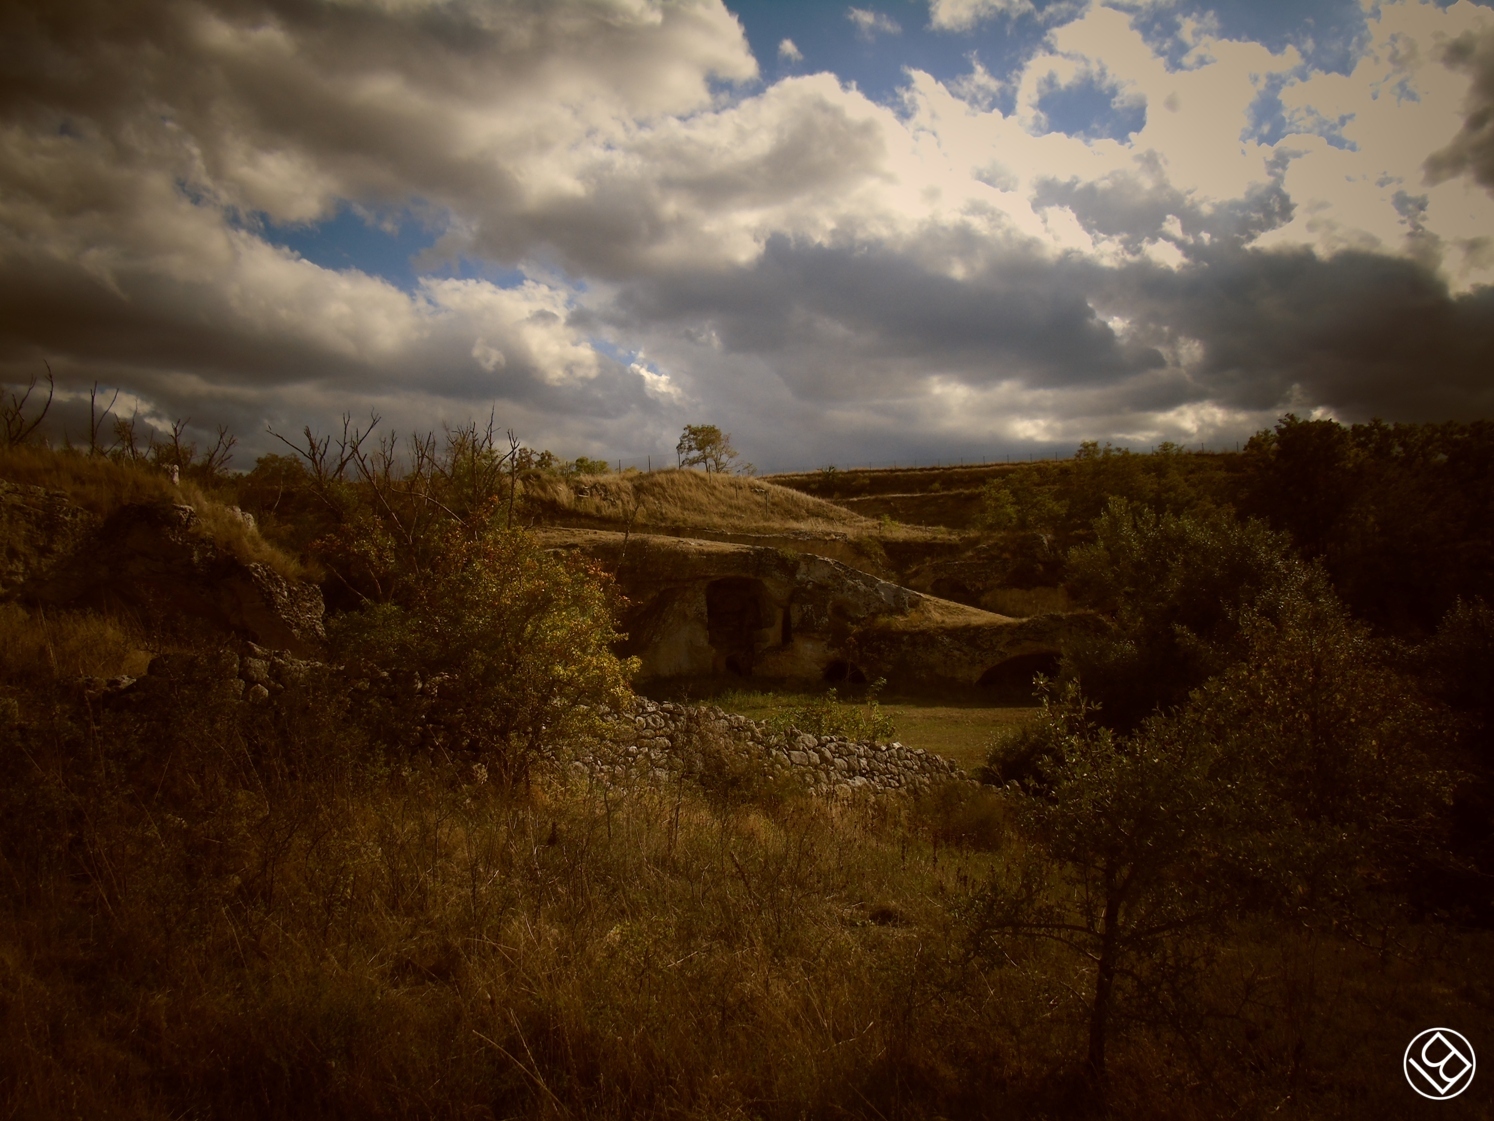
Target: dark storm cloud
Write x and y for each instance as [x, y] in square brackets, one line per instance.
[1361, 333]
[1134, 210]
[1472, 150]
[799, 263]
[847, 321]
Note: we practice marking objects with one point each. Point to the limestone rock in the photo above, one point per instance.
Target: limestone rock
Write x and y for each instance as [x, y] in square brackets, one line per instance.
[38, 529]
[146, 558]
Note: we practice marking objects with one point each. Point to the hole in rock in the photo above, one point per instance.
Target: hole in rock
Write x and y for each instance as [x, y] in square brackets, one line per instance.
[739, 618]
[1011, 680]
[947, 587]
[841, 672]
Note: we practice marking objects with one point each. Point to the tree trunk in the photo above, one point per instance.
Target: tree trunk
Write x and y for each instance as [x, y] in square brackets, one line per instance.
[1099, 1015]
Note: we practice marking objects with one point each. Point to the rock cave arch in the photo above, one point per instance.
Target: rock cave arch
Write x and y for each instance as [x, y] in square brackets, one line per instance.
[956, 590]
[741, 619]
[842, 672]
[1011, 680]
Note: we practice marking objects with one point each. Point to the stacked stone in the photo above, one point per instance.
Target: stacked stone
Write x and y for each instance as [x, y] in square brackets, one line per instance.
[655, 742]
[663, 742]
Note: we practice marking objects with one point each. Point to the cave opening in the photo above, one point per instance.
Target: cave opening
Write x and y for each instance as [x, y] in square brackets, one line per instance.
[841, 672]
[740, 618]
[1011, 681]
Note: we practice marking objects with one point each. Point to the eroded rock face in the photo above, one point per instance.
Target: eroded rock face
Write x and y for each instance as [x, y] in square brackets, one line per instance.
[706, 607]
[38, 529]
[146, 558]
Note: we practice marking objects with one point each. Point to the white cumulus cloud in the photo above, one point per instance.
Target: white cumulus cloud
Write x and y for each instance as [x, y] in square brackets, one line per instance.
[963, 15]
[870, 24]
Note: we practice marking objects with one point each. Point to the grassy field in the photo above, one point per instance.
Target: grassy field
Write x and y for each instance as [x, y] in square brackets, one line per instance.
[962, 731]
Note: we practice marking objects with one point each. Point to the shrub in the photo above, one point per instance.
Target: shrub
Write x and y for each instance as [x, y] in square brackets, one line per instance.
[1176, 588]
[827, 715]
[509, 645]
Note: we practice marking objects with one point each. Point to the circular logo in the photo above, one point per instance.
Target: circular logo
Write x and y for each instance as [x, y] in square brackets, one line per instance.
[1439, 1064]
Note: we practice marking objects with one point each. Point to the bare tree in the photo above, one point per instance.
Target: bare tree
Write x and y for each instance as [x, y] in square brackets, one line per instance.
[127, 446]
[326, 466]
[18, 427]
[513, 472]
[222, 451]
[96, 419]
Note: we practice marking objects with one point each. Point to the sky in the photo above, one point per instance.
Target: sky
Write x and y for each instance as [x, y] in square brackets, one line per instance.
[888, 231]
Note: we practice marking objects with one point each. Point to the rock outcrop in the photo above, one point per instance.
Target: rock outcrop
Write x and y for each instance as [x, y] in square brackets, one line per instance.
[700, 608]
[39, 528]
[148, 559]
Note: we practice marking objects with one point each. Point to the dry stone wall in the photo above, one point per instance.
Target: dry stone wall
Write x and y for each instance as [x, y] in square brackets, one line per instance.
[666, 741]
[655, 742]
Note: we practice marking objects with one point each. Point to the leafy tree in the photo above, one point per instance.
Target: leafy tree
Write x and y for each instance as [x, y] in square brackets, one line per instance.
[545, 462]
[511, 648]
[1303, 780]
[1349, 762]
[1400, 514]
[705, 445]
[1147, 841]
[1303, 478]
[1175, 588]
[1459, 662]
[583, 465]
[1021, 500]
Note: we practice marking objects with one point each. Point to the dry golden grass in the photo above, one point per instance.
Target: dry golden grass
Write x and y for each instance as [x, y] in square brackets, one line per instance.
[101, 486]
[1023, 603]
[689, 500]
[43, 645]
[97, 484]
[231, 532]
[216, 910]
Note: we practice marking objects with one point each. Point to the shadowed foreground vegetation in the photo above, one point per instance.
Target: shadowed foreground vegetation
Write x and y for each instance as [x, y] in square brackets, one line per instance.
[235, 914]
[1236, 861]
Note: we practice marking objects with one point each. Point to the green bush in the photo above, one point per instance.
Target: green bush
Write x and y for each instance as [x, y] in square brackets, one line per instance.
[827, 715]
[1175, 588]
[510, 647]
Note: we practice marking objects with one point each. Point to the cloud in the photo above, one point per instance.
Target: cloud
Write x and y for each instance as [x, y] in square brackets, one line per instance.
[1472, 150]
[870, 24]
[790, 53]
[1362, 334]
[964, 15]
[817, 271]
[143, 147]
[659, 384]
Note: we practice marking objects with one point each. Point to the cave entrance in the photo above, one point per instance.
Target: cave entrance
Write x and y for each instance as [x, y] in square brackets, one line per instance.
[1010, 682]
[947, 587]
[840, 672]
[740, 620]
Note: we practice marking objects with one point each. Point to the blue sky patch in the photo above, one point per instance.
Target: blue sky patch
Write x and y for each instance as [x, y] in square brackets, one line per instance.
[1091, 107]
[349, 241]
